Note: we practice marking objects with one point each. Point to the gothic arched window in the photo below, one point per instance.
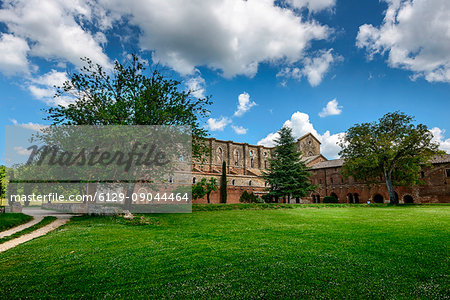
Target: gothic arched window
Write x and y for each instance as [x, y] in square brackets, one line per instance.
[219, 157]
[236, 157]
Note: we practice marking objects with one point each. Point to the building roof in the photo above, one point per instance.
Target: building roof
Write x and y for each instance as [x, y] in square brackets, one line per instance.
[301, 138]
[438, 159]
[334, 163]
[308, 159]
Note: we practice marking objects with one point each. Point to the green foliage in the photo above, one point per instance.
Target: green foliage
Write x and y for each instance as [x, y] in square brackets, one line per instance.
[247, 197]
[393, 148]
[223, 183]
[318, 252]
[287, 174]
[241, 206]
[130, 95]
[330, 199]
[10, 220]
[204, 187]
[2, 183]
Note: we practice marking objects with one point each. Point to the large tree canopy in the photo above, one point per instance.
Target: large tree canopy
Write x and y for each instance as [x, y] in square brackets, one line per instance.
[129, 95]
[287, 175]
[393, 148]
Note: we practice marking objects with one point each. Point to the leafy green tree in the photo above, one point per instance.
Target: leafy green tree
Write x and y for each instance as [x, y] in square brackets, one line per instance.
[287, 174]
[393, 148]
[2, 183]
[198, 190]
[223, 183]
[204, 187]
[130, 95]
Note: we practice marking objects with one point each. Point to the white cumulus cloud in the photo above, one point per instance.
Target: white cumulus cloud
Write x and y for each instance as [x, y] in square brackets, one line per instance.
[313, 5]
[22, 151]
[231, 36]
[331, 109]
[244, 104]
[314, 68]
[239, 129]
[415, 35]
[197, 86]
[43, 88]
[301, 125]
[439, 136]
[55, 29]
[13, 55]
[29, 125]
[217, 124]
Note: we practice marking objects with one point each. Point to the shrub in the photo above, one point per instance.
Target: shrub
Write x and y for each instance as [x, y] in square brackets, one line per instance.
[267, 198]
[247, 197]
[330, 199]
[259, 200]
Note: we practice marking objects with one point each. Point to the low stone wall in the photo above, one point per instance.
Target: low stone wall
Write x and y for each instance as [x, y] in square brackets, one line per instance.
[67, 207]
[78, 208]
[14, 208]
[100, 210]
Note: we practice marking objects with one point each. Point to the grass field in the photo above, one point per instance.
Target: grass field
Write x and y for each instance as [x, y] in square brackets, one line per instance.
[325, 252]
[10, 220]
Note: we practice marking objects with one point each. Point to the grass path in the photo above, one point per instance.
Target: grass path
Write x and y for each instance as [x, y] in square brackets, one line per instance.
[19, 228]
[44, 222]
[32, 235]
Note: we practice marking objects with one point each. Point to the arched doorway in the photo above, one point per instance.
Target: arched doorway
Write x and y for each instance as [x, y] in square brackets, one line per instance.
[378, 198]
[350, 198]
[334, 195]
[408, 199]
[356, 198]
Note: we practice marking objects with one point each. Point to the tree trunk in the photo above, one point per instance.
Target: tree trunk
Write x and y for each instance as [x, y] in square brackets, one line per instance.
[129, 197]
[392, 198]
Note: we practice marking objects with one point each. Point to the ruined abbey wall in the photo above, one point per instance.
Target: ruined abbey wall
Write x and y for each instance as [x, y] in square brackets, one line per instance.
[245, 164]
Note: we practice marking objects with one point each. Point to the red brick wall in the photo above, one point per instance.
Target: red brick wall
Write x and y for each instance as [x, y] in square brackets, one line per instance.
[435, 190]
[233, 194]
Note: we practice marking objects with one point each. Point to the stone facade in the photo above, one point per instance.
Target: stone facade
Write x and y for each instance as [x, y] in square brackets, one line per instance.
[245, 164]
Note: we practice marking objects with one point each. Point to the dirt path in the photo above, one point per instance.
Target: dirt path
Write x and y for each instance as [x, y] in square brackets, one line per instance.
[36, 219]
[38, 214]
[37, 233]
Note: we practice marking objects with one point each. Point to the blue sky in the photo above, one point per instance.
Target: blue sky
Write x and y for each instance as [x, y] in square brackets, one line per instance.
[317, 66]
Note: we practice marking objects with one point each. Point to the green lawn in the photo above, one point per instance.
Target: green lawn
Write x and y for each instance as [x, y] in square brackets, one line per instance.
[329, 252]
[10, 220]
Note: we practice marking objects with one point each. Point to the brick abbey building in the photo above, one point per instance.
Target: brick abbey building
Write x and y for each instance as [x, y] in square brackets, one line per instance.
[245, 164]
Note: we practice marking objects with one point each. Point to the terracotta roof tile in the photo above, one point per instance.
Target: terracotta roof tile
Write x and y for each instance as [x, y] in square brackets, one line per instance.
[439, 159]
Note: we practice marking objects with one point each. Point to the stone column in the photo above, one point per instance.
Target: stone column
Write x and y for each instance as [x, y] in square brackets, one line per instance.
[244, 156]
[211, 153]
